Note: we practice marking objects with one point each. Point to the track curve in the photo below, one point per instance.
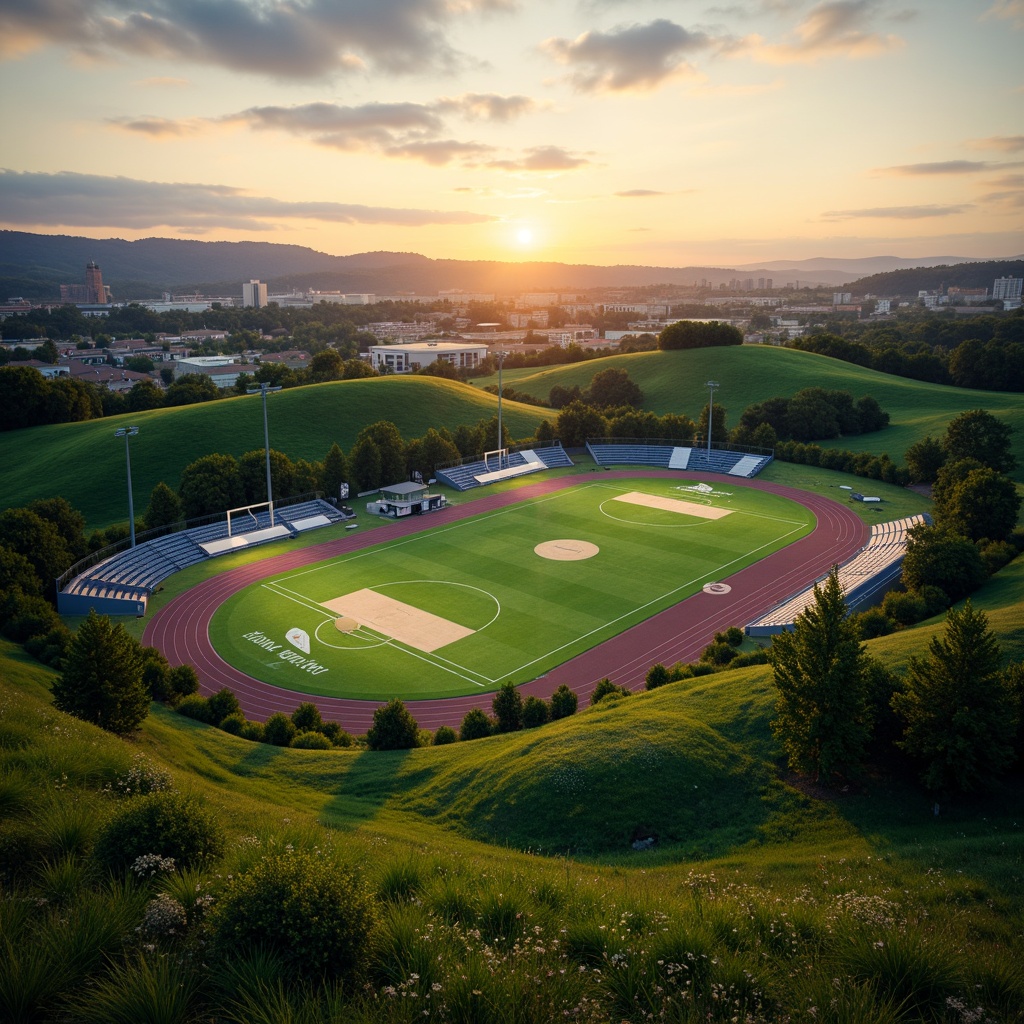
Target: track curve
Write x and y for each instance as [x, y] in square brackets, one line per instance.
[181, 629]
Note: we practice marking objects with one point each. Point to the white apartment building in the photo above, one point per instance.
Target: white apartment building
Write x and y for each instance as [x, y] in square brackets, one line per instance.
[254, 293]
[414, 356]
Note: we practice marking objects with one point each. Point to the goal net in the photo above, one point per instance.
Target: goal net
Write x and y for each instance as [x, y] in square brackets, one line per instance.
[497, 459]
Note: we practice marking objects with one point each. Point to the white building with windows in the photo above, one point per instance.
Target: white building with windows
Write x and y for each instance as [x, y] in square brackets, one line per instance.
[414, 356]
[254, 293]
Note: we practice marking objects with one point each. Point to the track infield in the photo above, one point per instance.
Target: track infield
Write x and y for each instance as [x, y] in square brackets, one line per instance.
[459, 607]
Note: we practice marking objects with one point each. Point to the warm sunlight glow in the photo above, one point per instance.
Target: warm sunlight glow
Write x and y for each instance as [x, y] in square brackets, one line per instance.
[524, 236]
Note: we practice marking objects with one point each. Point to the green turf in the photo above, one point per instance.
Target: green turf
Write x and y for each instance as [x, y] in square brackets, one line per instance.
[528, 613]
[85, 464]
[674, 382]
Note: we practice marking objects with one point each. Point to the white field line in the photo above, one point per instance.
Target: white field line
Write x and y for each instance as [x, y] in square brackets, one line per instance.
[460, 670]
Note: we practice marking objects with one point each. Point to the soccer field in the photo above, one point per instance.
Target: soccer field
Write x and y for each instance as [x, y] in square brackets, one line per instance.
[461, 608]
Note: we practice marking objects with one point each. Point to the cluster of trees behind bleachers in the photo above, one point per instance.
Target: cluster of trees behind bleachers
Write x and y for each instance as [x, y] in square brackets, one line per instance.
[985, 352]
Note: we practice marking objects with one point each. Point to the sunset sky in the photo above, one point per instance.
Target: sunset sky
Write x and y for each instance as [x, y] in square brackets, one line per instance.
[660, 132]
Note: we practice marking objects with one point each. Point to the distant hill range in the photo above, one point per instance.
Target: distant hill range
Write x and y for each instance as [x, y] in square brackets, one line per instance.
[34, 266]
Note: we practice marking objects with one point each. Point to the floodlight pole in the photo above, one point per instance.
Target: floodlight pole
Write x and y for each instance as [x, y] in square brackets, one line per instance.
[501, 362]
[127, 432]
[711, 385]
[263, 390]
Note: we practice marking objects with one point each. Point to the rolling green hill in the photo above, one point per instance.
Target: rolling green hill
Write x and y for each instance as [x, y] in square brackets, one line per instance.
[674, 382]
[83, 462]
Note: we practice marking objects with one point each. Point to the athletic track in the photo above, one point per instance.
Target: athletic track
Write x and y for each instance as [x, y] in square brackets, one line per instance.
[180, 629]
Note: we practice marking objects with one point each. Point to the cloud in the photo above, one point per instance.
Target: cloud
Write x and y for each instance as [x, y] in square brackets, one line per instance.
[92, 200]
[1007, 10]
[897, 212]
[837, 28]
[1005, 143]
[639, 193]
[633, 58]
[542, 158]
[941, 167]
[402, 130]
[1009, 190]
[292, 39]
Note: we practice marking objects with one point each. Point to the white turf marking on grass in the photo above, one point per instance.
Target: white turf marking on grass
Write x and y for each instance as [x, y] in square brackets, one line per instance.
[686, 508]
[403, 622]
[718, 570]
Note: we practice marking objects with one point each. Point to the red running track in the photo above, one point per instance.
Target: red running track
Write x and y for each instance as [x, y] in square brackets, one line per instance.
[180, 629]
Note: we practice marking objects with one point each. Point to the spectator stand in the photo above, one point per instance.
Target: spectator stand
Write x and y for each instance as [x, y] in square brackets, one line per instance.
[730, 459]
[479, 471]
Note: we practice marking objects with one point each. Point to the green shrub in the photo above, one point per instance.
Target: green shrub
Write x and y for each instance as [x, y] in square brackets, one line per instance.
[183, 681]
[50, 648]
[874, 622]
[302, 907]
[563, 703]
[606, 688]
[475, 726]
[252, 731]
[197, 707]
[279, 730]
[310, 741]
[337, 735]
[759, 657]
[233, 724]
[507, 706]
[657, 675]
[718, 653]
[307, 718]
[221, 704]
[535, 712]
[734, 636]
[165, 823]
[444, 735]
[904, 608]
[393, 728]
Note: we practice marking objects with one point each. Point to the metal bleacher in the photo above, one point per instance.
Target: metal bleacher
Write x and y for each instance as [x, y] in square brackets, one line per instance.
[478, 473]
[128, 577]
[669, 456]
[864, 578]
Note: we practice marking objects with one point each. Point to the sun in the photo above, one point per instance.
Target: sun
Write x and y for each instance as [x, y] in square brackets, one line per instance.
[524, 236]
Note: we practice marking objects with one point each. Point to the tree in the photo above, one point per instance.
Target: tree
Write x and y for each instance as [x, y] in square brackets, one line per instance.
[943, 558]
[252, 471]
[101, 681]
[696, 334]
[924, 459]
[335, 471]
[960, 713]
[191, 388]
[563, 703]
[279, 729]
[475, 726]
[613, 388]
[535, 712]
[982, 504]
[365, 465]
[17, 574]
[144, 395]
[822, 711]
[164, 508]
[355, 369]
[391, 448]
[393, 728]
[436, 449]
[508, 708]
[38, 540]
[576, 422]
[210, 485]
[307, 717]
[69, 521]
[719, 430]
[326, 365]
[606, 688]
[978, 434]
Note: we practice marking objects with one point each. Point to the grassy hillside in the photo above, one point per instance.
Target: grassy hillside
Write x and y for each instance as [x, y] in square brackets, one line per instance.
[83, 462]
[503, 873]
[674, 382]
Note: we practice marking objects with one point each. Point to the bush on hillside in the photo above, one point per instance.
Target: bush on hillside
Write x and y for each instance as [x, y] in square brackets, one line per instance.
[393, 728]
[233, 724]
[606, 688]
[307, 718]
[443, 735]
[657, 675]
[253, 731]
[221, 704]
[197, 707]
[475, 726]
[279, 730]
[563, 703]
[337, 735]
[507, 706]
[183, 681]
[311, 741]
[535, 712]
[165, 823]
[318, 918]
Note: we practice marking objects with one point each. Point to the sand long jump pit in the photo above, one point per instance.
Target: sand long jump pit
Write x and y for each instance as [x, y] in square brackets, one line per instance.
[688, 508]
[402, 622]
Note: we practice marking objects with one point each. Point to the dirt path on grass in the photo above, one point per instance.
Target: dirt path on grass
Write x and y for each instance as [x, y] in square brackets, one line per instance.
[181, 628]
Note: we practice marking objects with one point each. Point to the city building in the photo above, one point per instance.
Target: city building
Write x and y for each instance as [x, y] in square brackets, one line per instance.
[93, 293]
[1008, 289]
[254, 293]
[414, 356]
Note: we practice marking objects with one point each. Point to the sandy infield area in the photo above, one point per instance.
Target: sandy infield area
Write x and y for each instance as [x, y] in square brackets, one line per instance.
[566, 550]
[687, 508]
[412, 626]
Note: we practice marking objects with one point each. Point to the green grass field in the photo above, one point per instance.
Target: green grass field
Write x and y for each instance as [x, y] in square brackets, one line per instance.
[519, 610]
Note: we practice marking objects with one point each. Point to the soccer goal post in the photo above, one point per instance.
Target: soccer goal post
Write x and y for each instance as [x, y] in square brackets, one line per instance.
[502, 459]
[244, 517]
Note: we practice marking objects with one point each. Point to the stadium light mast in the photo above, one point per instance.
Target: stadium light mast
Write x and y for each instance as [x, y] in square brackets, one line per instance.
[711, 385]
[127, 432]
[264, 389]
[501, 362]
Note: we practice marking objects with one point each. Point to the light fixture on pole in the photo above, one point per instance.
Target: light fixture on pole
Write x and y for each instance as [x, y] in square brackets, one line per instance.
[711, 385]
[264, 390]
[127, 432]
[501, 362]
